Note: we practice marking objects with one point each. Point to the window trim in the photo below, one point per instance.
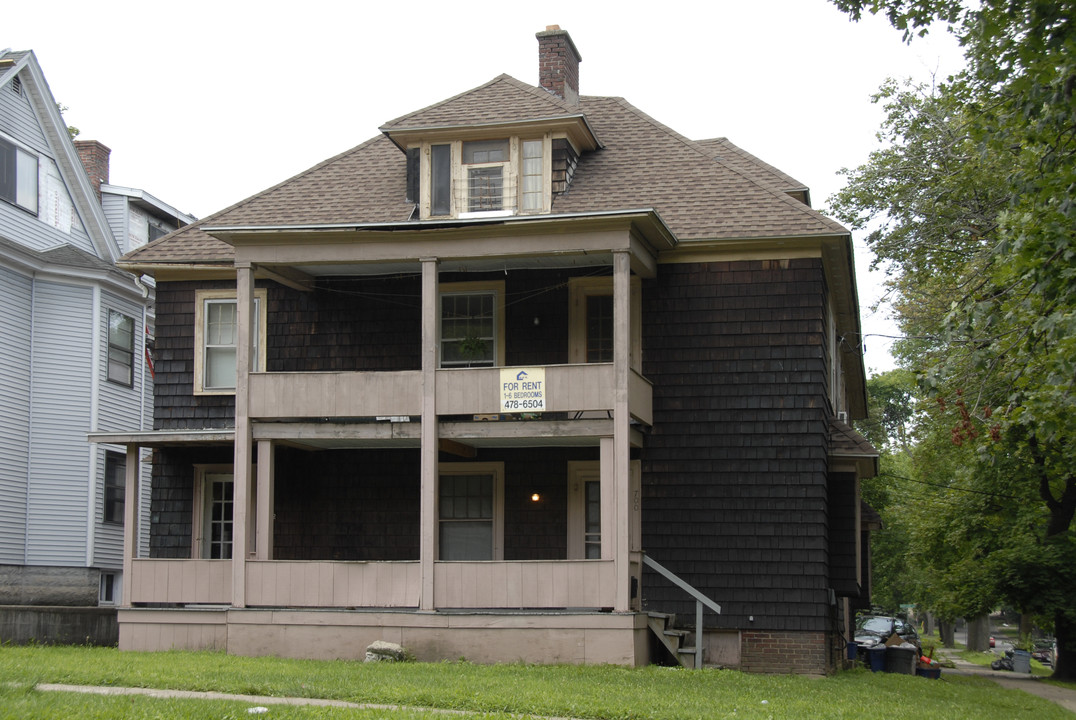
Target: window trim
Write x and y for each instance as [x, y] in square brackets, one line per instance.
[117, 461]
[496, 469]
[475, 287]
[129, 352]
[581, 288]
[200, 300]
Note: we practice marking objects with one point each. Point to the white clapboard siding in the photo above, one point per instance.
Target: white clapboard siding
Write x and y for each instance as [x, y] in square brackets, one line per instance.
[15, 309]
[59, 452]
[21, 125]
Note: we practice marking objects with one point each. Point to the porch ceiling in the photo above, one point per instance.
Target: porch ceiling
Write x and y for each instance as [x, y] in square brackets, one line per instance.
[545, 262]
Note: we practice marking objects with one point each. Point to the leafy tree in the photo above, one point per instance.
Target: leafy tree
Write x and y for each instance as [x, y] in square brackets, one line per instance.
[975, 195]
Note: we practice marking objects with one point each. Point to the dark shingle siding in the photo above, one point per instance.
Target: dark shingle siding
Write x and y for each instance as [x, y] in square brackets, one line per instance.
[734, 472]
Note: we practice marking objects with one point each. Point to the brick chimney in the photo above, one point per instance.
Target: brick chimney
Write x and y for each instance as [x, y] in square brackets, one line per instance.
[94, 157]
[558, 63]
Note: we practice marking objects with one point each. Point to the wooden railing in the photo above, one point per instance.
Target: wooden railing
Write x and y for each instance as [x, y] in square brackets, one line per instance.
[325, 584]
[460, 391]
[525, 584]
[181, 581]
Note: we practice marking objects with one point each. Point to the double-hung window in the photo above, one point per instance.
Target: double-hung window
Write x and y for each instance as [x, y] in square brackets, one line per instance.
[486, 167]
[470, 497]
[216, 335]
[120, 348]
[18, 176]
[115, 481]
[472, 324]
[532, 176]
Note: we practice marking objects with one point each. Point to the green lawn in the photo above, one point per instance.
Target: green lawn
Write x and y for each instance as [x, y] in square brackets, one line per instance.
[492, 691]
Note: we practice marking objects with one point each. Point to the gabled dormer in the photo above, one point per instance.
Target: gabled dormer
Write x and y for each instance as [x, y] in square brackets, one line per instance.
[502, 149]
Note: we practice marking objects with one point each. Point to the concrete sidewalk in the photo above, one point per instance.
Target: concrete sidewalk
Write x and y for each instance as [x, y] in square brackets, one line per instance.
[1013, 681]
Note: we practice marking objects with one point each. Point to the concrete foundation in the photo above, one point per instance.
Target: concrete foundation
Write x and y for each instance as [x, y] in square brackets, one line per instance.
[22, 624]
[483, 637]
[36, 585]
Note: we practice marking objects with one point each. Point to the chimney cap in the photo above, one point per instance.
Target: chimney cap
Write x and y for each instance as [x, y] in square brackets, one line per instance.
[553, 30]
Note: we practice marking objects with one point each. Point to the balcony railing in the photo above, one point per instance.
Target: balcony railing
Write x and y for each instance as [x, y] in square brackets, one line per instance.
[460, 391]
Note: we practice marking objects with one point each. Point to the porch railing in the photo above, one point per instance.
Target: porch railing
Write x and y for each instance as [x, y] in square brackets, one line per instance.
[700, 600]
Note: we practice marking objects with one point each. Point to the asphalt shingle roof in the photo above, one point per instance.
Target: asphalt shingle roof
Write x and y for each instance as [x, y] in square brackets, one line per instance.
[701, 190]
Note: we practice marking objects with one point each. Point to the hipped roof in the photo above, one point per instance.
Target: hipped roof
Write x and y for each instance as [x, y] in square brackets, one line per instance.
[700, 194]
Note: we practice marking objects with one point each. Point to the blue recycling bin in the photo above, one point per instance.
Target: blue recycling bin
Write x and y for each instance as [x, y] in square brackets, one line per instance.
[877, 658]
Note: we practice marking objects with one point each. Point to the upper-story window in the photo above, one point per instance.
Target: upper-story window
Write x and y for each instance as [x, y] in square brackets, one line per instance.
[501, 176]
[18, 176]
[121, 333]
[472, 324]
[216, 337]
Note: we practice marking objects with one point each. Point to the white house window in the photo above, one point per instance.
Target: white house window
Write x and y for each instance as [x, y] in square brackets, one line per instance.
[216, 335]
[109, 594]
[18, 176]
[120, 348]
[486, 164]
[115, 481]
[470, 521]
[533, 176]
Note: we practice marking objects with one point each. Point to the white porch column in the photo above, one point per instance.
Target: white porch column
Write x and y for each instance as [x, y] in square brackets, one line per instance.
[622, 426]
[266, 500]
[245, 322]
[431, 338]
[130, 521]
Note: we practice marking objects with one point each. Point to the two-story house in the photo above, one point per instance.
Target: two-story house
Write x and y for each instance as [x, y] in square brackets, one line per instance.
[466, 385]
[72, 354]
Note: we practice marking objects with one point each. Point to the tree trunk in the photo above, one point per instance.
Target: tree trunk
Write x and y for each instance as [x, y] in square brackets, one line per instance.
[947, 630]
[1065, 657]
[979, 633]
[928, 624]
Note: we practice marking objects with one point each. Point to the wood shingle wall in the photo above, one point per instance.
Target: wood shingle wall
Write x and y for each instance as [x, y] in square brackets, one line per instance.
[734, 473]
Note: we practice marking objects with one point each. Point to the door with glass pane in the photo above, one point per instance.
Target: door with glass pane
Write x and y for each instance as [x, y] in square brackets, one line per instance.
[584, 511]
[217, 516]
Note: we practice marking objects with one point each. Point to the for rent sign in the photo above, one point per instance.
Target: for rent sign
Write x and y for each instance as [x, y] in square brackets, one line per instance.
[523, 389]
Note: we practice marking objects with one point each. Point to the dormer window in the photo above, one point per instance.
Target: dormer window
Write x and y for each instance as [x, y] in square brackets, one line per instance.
[482, 178]
[486, 163]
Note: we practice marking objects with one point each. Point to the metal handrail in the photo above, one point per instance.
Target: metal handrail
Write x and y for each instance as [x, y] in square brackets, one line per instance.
[700, 600]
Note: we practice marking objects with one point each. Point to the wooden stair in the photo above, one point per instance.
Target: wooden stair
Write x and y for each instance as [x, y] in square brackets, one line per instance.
[663, 626]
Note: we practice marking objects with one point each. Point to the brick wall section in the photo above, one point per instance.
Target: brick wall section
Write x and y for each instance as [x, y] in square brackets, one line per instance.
[734, 472]
[784, 652]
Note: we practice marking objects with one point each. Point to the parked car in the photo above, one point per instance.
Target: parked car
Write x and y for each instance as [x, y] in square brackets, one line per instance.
[992, 642]
[1043, 651]
[874, 629]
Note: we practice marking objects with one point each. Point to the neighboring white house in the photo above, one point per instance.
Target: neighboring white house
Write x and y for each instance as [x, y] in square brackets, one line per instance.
[74, 349]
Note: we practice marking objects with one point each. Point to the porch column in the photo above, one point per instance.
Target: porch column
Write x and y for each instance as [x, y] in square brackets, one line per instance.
[130, 520]
[263, 543]
[245, 325]
[621, 427]
[431, 338]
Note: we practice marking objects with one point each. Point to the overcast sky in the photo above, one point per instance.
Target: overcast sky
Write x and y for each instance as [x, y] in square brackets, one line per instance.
[206, 103]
